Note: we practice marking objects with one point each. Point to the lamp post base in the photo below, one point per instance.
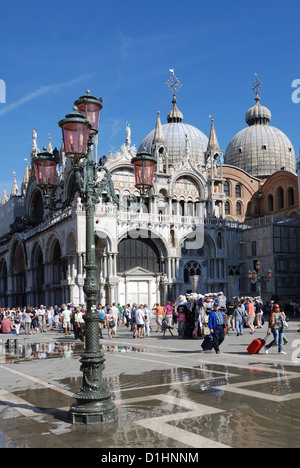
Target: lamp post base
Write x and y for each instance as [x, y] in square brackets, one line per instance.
[94, 403]
[91, 412]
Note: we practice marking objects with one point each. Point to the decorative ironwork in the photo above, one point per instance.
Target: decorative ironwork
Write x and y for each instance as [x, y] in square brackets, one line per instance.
[256, 85]
[173, 83]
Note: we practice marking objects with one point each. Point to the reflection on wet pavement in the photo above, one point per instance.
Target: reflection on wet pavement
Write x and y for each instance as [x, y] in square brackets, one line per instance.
[13, 353]
[208, 405]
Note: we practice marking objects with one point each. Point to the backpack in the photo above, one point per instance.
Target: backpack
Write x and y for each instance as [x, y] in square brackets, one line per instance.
[102, 317]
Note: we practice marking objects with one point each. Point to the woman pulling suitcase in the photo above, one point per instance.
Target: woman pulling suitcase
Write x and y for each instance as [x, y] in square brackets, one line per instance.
[276, 325]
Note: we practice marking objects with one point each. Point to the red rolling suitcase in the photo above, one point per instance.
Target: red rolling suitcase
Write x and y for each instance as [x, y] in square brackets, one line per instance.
[257, 345]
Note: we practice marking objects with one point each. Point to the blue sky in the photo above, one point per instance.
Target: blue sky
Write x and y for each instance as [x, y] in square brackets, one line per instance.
[51, 52]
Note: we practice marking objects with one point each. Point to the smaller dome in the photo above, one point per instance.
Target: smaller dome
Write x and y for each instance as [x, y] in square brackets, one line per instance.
[175, 115]
[258, 115]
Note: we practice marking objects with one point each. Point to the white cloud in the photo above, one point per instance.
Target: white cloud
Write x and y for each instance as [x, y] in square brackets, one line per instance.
[40, 92]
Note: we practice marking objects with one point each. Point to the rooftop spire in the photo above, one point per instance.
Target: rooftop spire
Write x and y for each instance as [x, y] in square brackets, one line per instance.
[213, 141]
[50, 149]
[15, 188]
[25, 179]
[4, 197]
[159, 133]
[175, 115]
[174, 84]
[257, 87]
[258, 114]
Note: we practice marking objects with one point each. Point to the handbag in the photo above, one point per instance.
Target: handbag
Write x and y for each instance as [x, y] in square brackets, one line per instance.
[111, 323]
[207, 344]
[285, 325]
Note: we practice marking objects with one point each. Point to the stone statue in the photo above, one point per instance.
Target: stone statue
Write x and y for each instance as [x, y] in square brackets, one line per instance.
[128, 135]
[34, 141]
[187, 147]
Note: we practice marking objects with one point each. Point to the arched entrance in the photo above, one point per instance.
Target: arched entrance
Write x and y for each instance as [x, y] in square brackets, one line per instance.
[18, 294]
[3, 284]
[37, 262]
[140, 265]
[54, 273]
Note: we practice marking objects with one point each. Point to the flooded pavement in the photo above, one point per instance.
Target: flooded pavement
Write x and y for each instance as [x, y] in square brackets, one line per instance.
[168, 396]
[11, 353]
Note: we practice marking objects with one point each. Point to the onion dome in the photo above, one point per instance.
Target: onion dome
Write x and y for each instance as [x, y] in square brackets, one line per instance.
[260, 149]
[258, 115]
[173, 136]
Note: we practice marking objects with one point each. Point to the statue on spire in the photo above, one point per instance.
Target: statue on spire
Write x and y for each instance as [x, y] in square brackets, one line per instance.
[128, 135]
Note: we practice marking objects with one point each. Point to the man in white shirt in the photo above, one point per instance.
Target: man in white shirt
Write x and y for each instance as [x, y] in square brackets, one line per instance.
[140, 321]
[115, 314]
[42, 318]
[147, 314]
[80, 323]
[66, 320]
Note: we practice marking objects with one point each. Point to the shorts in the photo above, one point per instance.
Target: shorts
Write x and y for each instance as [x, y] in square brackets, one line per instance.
[67, 324]
[140, 325]
[251, 318]
[159, 319]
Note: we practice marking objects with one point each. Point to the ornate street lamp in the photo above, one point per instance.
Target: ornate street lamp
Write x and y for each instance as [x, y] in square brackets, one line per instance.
[76, 132]
[45, 171]
[94, 403]
[250, 274]
[255, 276]
[144, 166]
[89, 106]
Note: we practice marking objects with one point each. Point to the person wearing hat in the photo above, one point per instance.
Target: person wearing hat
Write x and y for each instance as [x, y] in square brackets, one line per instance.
[216, 324]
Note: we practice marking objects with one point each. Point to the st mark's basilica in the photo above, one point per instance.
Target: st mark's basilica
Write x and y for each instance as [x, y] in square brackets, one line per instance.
[211, 215]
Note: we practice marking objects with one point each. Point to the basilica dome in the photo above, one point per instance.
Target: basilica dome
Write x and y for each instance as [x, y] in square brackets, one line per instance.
[260, 149]
[173, 136]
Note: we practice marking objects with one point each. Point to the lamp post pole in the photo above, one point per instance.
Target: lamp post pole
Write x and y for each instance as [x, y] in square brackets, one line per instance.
[94, 403]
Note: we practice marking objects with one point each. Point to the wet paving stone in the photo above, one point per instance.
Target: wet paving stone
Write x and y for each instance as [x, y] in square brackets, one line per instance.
[167, 397]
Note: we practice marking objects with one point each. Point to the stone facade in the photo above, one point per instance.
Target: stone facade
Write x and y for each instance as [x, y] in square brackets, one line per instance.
[203, 219]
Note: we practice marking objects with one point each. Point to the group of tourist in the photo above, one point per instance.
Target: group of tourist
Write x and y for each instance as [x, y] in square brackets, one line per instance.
[194, 316]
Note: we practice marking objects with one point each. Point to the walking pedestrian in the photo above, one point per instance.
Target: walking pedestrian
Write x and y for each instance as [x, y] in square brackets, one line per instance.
[276, 325]
[238, 316]
[111, 324]
[159, 315]
[27, 320]
[133, 322]
[140, 321]
[169, 314]
[74, 323]
[258, 313]
[181, 311]
[50, 317]
[116, 315]
[101, 313]
[42, 318]
[147, 320]
[127, 316]
[250, 315]
[216, 325]
[66, 320]
[81, 323]
[34, 320]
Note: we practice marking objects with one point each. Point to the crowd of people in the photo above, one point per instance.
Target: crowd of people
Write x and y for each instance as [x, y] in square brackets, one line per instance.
[211, 317]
